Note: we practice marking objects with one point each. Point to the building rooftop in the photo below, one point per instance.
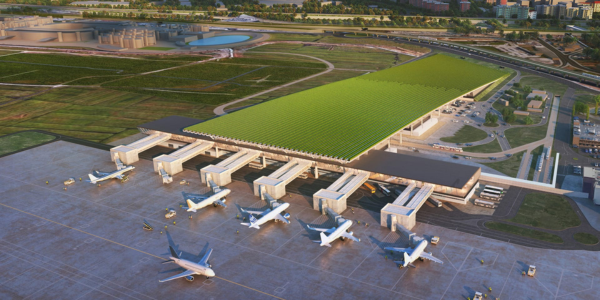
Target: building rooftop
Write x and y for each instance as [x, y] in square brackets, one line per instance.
[416, 168]
[342, 120]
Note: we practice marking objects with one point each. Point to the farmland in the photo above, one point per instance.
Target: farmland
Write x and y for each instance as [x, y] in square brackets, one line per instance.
[350, 116]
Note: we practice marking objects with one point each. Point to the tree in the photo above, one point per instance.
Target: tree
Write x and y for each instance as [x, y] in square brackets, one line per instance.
[597, 101]
[510, 118]
[506, 112]
[568, 39]
[518, 102]
[527, 89]
[548, 36]
[528, 120]
[491, 118]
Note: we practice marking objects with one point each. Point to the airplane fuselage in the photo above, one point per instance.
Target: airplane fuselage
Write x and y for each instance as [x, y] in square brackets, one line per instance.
[208, 201]
[112, 174]
[416, 253]
[271, 215]
[337, 233]
[192, 266]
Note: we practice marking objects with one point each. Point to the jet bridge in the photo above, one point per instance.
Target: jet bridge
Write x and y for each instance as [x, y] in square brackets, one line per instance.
[173, 163]
[130, 153]
[403, 210]
[221, 172]
[275, 183]
[336, 194]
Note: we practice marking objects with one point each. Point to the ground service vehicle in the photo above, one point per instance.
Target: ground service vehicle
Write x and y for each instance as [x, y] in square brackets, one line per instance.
[370, 187]
[69, 181]
[435, 202]
[435, 240]
[531, 271]
[484, 203]
[170, 214]
[384, 190]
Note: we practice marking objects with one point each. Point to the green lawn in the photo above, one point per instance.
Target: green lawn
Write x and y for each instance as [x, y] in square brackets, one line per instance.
[157, 48]
[347, 117]
[586, 238]
[18, 141]
[541, 83]
[535, 152]
[525, 232]
[467, 134]
[496, 86]
[546, 211]
[294, 37]
[510, 167]
[491, 147]
[372, 41]
[525, 135]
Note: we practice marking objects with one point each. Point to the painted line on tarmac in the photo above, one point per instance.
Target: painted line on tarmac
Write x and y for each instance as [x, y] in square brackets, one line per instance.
[128, 247]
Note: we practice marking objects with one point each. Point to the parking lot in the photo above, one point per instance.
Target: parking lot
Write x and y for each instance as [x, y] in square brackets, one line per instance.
[87, 242]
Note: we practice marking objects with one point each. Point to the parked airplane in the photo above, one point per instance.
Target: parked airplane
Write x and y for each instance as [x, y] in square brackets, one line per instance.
[98, 176]
[216, 199]
[273, 213]
[412, 254]
[330, 235]
[192, 268]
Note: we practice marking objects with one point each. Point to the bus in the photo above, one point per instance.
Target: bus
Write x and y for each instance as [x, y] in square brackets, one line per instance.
[490, 187]
[485, 195]
[484, 203]
[370, 188]
[384, 190]
[493, 192]
[437, 203]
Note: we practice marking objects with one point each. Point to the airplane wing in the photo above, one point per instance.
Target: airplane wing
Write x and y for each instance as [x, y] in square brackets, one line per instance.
[257, 212]
[430, 257]
[100, 174]
[322, 229]
[183, 274]
[281, 218]
[350, 237]
[204, 260]
[219, 202]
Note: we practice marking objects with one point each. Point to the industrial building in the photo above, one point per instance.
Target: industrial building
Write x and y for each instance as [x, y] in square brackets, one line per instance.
[329, 145]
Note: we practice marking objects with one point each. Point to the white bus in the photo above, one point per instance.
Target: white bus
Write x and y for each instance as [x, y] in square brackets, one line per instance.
[437, 203]
[491, 187]
[384, 190]
[488, 196]
[492, 192]
[484, 203]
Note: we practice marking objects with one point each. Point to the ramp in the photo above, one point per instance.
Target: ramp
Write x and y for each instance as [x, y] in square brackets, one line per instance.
[221, 172]
[337, 193]
[173, 163]
[275, 183]
[130, 153]
[403, 210]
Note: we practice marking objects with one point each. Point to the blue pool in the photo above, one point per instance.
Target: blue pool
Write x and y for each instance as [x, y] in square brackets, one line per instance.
[220, 40]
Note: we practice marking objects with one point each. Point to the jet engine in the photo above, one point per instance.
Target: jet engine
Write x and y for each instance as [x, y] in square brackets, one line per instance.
[189, 278]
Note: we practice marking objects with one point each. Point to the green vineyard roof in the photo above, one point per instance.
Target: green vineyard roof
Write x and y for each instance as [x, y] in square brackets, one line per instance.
[345, 118]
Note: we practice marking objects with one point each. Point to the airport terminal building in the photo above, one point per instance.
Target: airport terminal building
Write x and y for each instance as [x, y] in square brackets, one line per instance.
[347, 127]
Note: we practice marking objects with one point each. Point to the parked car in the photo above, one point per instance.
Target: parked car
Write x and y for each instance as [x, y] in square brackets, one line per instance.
[455, 156]
[492, 158]
[469, 144]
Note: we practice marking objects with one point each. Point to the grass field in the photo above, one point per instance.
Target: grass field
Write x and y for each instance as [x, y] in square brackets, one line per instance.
[496, 86]
[519, 119]
[22, 140]
[541, 83]
[524, 135]
[510, 167]
[546, 211]
[526, 232]
[347, 117]
[534, 154]
[466, 134]
[586, 238]
[491, 147]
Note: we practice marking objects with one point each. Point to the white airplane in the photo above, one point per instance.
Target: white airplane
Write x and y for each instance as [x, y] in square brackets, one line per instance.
[412, 254]
[342, 232]
[270, 214]
[98, 176]
[216, 199]
[192, 268]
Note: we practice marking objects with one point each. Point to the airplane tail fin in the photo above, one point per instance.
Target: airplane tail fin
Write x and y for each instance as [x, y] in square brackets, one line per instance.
[190, 204]
[324, 241]
[406, 259]
[92, 178]
[173, 253]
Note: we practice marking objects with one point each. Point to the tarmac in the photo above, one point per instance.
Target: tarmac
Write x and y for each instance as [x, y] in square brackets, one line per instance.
[87, 242]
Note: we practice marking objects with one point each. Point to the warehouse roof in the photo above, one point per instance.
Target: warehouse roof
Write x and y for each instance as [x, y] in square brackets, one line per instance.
[342, 120]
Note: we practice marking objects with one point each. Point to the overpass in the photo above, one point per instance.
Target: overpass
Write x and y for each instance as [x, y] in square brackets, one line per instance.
[173, 163]
[221, 172]
[275, 183]
[337, 193]
[403, 210]
[130, 153]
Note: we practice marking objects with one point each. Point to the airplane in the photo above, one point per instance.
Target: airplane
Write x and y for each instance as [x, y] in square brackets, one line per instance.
[216, 199]
[98, 176]
[412, 254]
[274, 213]
[342, 232]
[200, 268]
[260, 80]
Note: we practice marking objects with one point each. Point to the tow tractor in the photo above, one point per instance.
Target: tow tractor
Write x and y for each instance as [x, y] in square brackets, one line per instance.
[172, 213]
[531, 271]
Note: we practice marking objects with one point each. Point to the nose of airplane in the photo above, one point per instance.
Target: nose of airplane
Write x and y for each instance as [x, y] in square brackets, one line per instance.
[210, 273]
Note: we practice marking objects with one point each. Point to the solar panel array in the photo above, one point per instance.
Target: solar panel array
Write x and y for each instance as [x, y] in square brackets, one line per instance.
[343, 119]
